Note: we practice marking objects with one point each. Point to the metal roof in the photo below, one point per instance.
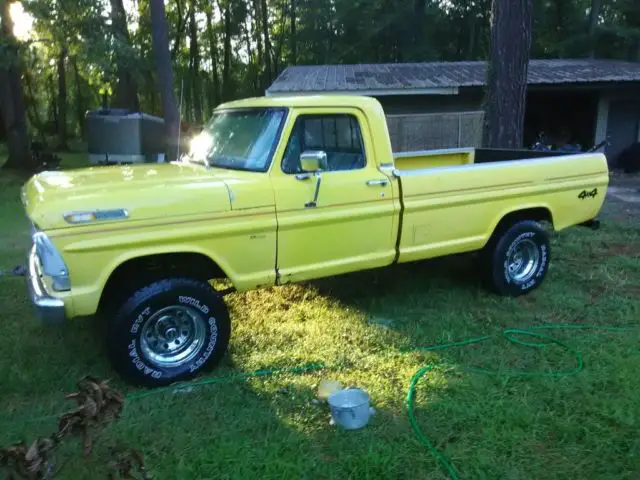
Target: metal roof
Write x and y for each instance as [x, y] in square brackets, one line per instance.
[441, 77]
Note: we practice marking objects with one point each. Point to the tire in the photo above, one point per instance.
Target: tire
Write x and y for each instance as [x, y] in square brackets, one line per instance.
[168, 331]
[518, 259]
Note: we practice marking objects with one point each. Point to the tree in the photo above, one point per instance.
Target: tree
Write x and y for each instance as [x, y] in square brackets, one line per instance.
[226, 66]
[80, 105]
[294, 52]
[12, 104]
[267, 42]
[126, 91]
[213, 53]
[62, 100]
[194, 64]
[507, 73]
[164, 70]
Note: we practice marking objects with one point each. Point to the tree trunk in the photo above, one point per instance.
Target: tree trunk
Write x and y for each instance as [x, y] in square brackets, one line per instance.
[152, 88]
[294, 44]
[177, 39]
[80, 105]
[12, 104]
[257, 33]
[34, 116]
[62, 100]
[636, 25]
[194, 64]
[473, 20]
[252, 64]
[160, 40]
[187, 101]
[507, 73]
[53, 103]
[208, 93]
[281, 38]
[419, 19]
[213, 52]
[126, 91]
[267, 42]
[226, 68]
[594, 13]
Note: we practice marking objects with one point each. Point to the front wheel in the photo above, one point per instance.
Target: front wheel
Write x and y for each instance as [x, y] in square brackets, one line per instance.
[168, 331]
[518, 259]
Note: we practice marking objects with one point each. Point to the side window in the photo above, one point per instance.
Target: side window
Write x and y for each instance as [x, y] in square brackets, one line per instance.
[339, 136]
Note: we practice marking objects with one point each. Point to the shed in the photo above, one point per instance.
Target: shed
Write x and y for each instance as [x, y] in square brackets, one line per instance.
[439, 104]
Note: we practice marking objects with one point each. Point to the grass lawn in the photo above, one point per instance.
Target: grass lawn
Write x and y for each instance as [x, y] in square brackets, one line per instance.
[582, 426]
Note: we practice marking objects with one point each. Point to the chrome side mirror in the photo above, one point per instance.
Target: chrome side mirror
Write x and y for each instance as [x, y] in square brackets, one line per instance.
[313, 161]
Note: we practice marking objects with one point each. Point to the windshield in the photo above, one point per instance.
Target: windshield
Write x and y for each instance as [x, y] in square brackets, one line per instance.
[239, 139]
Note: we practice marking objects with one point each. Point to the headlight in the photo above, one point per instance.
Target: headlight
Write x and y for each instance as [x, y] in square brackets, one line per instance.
[51, 261]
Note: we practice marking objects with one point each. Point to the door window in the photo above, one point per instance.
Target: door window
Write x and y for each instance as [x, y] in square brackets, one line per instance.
[338, 136]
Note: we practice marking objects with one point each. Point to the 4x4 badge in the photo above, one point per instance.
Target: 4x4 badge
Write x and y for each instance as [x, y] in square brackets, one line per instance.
[584, 194]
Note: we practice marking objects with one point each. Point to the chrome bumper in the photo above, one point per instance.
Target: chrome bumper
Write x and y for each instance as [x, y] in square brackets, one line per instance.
[48, 308]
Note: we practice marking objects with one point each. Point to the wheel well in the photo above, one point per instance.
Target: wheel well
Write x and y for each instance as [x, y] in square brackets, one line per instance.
[538, 214]
[138, 272]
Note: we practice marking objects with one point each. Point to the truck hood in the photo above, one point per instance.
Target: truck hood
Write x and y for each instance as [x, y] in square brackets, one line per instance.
[145, 191]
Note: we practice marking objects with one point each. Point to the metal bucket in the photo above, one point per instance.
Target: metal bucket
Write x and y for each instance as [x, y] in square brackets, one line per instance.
[350, 408]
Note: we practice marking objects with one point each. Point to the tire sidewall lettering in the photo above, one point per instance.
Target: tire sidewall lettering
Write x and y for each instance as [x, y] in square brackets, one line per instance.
[544, 253]
[147, 368]
[211, 346]
[135, 327]
[139, 364]
[193, 302]
[542, 267]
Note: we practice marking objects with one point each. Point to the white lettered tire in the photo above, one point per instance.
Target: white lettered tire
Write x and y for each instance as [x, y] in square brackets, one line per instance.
[519, 258]
[168, 331]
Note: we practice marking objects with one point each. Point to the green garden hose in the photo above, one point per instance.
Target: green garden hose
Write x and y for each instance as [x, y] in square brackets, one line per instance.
[512, 335]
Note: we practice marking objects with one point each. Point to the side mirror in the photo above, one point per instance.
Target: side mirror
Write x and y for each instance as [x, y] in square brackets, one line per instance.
[313, 161]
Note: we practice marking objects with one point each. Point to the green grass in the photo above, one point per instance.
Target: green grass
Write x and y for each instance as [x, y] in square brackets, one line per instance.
[585, 426]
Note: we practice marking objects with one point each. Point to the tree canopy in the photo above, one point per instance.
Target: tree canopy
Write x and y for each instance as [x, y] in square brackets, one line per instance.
[82, 54]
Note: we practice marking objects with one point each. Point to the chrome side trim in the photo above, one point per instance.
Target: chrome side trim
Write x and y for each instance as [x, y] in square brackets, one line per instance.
[100, 215]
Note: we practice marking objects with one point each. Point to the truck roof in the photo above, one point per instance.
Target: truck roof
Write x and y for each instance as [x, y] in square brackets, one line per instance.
[300, 101]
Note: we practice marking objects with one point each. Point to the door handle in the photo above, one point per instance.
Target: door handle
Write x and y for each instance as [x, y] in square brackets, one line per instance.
[382, 183]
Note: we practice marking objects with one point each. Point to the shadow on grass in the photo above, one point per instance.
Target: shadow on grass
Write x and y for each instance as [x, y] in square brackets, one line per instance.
[428, 278]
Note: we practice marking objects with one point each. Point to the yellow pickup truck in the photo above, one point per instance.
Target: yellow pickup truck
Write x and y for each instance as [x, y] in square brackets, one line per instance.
[278, 190]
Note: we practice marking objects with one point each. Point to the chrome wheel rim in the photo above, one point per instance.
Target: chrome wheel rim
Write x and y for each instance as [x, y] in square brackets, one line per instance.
[523, 260]
[173, 336]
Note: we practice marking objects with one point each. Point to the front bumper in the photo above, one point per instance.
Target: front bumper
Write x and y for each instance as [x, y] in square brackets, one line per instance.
[49, 309]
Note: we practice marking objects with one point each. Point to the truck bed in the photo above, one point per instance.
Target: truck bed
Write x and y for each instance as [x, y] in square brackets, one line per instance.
[452, 200]
[449, 157]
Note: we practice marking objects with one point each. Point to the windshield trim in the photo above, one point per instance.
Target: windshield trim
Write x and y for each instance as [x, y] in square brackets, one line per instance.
[276, 138]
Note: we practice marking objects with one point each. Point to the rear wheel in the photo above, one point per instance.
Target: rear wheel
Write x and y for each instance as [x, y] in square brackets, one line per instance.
[518, 258]
[168, 331]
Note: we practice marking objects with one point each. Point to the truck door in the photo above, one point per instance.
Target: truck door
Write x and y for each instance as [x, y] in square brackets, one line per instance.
[351, 225]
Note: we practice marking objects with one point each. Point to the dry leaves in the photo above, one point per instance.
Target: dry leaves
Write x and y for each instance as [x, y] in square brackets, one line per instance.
[128, 464]
[98, 405]
[32, 463]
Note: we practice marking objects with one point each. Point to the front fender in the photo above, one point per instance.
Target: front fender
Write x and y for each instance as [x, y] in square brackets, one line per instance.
[243, 246]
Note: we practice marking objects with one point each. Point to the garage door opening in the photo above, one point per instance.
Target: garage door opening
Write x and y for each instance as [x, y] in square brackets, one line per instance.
[562, 118]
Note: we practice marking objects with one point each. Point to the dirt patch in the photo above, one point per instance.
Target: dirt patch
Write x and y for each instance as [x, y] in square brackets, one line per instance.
[623, 197]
